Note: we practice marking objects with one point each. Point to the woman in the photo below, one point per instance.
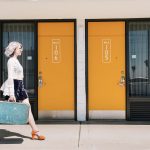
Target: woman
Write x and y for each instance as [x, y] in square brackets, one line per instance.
[13, 87]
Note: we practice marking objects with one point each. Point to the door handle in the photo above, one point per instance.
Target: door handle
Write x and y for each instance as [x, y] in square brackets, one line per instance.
[122, 79]
[40, 80]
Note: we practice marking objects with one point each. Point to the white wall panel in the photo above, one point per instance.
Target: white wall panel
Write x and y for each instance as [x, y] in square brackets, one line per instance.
[59, 9]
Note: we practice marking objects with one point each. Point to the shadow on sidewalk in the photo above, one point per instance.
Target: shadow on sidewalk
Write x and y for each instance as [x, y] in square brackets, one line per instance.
[4, 134]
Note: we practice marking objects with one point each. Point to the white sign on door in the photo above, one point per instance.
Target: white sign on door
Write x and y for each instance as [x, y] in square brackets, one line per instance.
[106, 50]
[56, 51]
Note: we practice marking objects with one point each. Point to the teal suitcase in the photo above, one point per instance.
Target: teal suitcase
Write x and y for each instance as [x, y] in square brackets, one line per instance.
[13, 112]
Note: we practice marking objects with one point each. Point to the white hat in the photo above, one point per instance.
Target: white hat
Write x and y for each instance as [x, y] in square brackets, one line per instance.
[11, 47]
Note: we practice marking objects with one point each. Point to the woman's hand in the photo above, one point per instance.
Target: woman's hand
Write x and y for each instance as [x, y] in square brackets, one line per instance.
[12, 99]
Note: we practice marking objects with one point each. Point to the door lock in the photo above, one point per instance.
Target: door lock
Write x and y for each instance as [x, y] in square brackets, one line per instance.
[40, 81]
[122, 79]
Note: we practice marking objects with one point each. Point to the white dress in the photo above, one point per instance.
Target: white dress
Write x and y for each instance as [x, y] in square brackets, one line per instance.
[15, 71]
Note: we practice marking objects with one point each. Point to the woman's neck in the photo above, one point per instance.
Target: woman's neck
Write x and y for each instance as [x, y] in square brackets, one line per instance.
[15, 56]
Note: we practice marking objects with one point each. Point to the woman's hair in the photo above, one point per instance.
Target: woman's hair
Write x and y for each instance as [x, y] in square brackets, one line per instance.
[11, 55]
[10, 49]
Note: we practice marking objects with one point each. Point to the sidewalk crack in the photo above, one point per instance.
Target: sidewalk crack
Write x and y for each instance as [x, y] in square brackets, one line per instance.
[79, 135]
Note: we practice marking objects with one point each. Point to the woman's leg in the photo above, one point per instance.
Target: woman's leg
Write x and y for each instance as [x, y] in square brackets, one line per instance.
[31, 119]
[35, 131]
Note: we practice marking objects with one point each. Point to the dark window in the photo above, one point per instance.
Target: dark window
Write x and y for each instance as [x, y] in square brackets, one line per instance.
[23, 33]
[139, 47]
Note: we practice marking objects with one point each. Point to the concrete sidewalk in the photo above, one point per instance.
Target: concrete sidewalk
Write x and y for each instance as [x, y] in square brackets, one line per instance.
[76, 136]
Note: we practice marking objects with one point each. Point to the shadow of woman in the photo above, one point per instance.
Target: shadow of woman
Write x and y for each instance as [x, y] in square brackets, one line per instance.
[4, 134]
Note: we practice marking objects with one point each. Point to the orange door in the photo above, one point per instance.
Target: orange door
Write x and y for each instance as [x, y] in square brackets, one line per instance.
[106, 65]
[56, 69]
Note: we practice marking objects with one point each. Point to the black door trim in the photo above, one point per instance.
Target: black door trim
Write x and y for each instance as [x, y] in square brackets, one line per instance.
[75, 57]
[126, 20]
[86, 54]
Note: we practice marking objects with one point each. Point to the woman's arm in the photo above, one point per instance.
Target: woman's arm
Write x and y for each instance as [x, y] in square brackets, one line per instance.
[10, 82]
